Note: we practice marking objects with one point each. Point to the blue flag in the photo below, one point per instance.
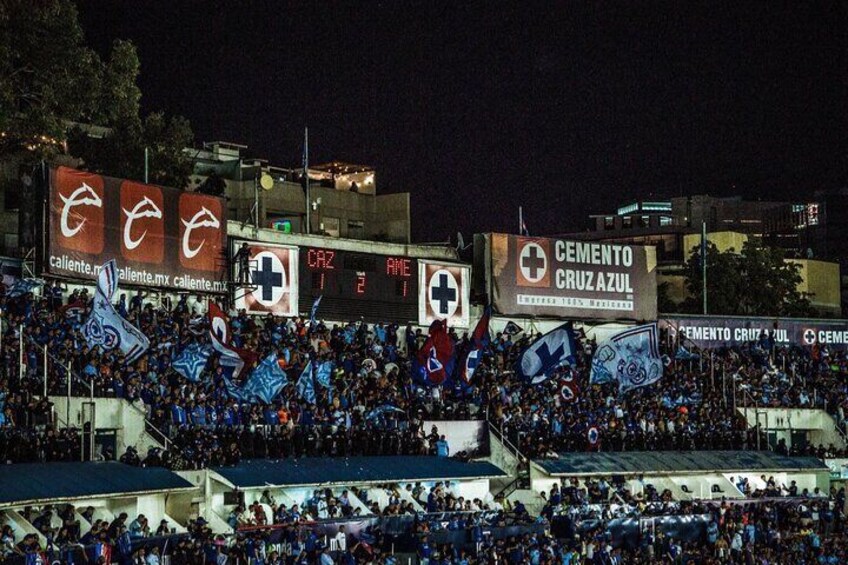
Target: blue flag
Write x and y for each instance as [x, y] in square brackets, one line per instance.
[324, 373]
[232, 389]
[548, 353]
[684, 354]
[479, 342]
[380, 414]
[630, 357]
[23, 286]
[305, 386]
[105, 327]
[192, 360]
[266, 381]
[314, 311]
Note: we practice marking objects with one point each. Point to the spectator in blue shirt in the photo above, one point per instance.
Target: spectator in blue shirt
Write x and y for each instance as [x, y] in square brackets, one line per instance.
[442, 448]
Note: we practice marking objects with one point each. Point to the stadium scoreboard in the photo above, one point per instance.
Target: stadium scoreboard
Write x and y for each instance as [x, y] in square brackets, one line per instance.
[353, 285]
[358, 285]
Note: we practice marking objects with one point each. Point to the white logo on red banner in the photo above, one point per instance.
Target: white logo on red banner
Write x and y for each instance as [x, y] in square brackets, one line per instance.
[204, 218]
[83, 196]
[145, 208]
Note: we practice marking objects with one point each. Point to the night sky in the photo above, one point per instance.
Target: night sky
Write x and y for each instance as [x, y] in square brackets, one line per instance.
[567, 110]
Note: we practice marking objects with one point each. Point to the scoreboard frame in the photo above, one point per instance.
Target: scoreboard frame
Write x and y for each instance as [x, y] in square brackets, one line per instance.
[373, 287]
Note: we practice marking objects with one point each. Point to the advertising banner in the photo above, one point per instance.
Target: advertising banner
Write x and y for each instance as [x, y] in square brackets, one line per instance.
[715, 331]
[159, 237]
[572, 279]
[271, 286]
[443, 293]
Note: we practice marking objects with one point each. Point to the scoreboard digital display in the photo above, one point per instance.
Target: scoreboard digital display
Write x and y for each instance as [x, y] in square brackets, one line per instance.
[376, 288]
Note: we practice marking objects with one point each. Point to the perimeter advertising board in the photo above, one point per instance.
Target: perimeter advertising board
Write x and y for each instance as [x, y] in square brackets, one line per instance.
[561, 278]
[715, 331]
[160, 237]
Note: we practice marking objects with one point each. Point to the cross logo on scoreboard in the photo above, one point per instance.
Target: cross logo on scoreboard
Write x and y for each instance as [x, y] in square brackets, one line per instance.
[533, 262]
[273, 280]
[443, 293]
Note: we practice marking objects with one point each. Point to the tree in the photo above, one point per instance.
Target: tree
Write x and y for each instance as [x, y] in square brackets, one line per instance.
[770, 284]
[722, 281]
[664, 302]
[48, 76]
[755, 282]
[53, 89]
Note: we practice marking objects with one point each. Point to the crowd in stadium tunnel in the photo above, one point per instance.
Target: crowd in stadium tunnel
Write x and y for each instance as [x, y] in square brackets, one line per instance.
[372, 405]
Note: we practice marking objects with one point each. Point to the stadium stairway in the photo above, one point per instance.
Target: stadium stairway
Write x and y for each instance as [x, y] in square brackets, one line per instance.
[516, 487]
[128, 421]
[815, 426]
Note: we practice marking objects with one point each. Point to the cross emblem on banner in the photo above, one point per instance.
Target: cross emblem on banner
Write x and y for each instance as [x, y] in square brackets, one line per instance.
[809, 337]
[267, 279]
[443, 293]
[533, 262]
[546, 358]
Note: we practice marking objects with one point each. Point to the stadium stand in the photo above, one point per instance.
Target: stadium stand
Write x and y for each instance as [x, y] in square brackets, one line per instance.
[288, 478]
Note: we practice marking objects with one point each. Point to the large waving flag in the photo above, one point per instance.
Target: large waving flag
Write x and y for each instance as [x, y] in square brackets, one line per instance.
[219, 331]
[266, 381]
[546, 354]
[324, 373]
[305, 386]
[479, 342]
[192, 360]
[435, 359]
[630, 357]
[105, 327]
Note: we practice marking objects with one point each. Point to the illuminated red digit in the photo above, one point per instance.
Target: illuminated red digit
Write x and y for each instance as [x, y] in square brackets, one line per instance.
[360, 284]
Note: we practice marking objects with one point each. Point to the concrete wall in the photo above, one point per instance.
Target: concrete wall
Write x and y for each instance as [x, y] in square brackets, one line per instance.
[461, 435]
[821, 280]
[447, 253]
[384, 215]
[115, 413]
[723, 240]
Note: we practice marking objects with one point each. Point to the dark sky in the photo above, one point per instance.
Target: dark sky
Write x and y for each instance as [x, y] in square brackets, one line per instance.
[566, 110]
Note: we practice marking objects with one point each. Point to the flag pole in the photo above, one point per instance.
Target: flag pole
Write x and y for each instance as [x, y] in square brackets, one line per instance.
[704, 263]
[306, 177]
[520, 221]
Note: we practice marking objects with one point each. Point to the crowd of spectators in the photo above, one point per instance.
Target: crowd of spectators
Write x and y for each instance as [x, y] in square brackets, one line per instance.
[79, 535]
[692, 407]
[695, 406]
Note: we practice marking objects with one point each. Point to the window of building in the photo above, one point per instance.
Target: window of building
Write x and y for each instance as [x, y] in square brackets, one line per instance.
[665, 220]
[330, 226]
[355, 229]
[644, 221]
[609, 223]
[627, 222]
[813, 214]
